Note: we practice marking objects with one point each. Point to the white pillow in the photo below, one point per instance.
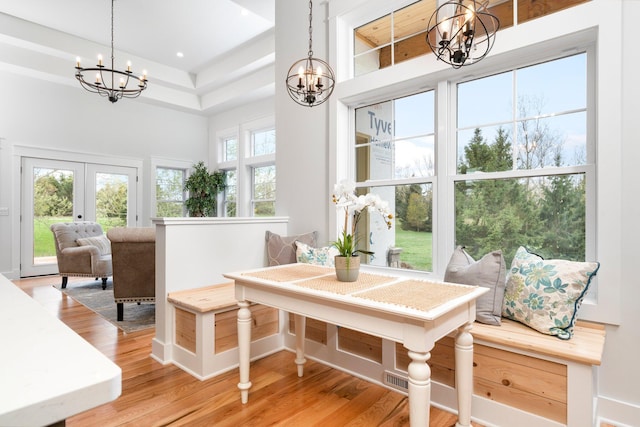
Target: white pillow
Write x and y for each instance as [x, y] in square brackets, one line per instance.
[101, 242]
[318, 256]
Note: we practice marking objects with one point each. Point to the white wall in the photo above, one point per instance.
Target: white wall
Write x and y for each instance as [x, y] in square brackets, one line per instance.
[302, 160]
[620, 373]
[37, 113]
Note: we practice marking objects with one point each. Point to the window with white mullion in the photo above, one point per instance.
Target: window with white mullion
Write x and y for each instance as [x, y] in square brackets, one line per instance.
[243, 151]
[394, 159]
[167, 192]
[521, 160]
[263, 190]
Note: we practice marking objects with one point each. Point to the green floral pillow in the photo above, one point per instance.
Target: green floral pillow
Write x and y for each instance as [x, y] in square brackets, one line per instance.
[546, 294]
[318, 256]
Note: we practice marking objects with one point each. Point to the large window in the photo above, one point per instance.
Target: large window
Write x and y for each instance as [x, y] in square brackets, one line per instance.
[516, 167]
[523, 167]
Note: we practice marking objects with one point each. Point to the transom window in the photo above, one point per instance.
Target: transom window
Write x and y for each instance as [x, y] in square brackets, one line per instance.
[400, 35]
[230, 149]
[263, 142]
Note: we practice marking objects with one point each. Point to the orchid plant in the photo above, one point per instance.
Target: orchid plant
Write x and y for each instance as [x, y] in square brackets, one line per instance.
[345, 198]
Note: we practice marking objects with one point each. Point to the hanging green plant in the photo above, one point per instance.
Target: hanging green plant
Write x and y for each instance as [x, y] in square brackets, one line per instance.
[203, 187]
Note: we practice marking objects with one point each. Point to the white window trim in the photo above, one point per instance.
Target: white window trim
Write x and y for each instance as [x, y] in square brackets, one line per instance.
[593, 23]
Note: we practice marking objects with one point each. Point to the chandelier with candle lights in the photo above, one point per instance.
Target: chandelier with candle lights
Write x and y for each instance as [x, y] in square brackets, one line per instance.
[109, 82]
[461, 32]
[310, 81]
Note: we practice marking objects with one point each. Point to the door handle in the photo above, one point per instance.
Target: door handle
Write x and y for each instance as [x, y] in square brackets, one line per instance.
[79, 216]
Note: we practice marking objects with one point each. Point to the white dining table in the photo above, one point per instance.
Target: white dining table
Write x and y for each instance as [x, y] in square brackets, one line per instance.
[416, 313]
[47, 371]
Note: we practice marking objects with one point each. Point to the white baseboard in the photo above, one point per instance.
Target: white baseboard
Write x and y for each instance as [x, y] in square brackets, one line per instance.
[11, 275]
[617, 413]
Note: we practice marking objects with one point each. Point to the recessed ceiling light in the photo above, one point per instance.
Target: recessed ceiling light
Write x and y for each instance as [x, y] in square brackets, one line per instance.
[180, 55]
[244, 12]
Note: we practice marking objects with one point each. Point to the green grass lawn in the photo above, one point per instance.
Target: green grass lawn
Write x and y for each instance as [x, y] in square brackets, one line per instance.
[43, 237]
[416, 248]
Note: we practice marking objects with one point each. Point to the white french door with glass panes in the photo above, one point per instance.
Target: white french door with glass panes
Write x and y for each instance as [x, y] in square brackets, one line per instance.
[61, 191]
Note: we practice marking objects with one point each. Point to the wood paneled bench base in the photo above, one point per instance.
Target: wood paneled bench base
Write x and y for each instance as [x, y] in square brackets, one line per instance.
[205, 341]
[517, 366]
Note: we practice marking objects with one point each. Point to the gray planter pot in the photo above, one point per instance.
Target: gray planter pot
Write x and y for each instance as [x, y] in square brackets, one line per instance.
[347, 268]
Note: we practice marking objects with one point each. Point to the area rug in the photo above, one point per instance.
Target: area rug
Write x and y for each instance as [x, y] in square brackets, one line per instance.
[91, 295]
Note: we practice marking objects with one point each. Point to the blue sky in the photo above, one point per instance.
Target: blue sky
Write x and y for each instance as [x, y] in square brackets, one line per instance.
[551, 88]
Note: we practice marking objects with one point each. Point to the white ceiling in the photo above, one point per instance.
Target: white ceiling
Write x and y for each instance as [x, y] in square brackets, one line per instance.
[207, 32]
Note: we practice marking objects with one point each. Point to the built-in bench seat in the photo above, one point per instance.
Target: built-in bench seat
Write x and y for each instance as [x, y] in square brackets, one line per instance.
[585, 346]
[526, 370]
[205, 341]
[521, 377]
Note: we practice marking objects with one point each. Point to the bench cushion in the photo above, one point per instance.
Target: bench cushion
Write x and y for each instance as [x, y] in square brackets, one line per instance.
[546, 294]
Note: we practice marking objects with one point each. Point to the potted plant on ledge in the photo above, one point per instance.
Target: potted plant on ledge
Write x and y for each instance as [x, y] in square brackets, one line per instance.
[347, 263]
[203, 188]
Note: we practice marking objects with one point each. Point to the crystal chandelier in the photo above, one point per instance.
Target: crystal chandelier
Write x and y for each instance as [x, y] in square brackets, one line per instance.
[109, 82]
[461, 32]
[310, 81]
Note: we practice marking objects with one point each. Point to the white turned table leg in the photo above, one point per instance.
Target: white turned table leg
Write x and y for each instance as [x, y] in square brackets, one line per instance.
[244, 349]
[419, 389]
[464, 374]
[301, 322]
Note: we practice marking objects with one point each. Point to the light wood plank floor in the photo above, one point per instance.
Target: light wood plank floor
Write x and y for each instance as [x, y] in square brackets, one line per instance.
[157, 395]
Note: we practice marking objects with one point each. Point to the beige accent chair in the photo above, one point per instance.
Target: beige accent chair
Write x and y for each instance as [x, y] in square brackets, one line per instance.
[134, 265]
[82, 250]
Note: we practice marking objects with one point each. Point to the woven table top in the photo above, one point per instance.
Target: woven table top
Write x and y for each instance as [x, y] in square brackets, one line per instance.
[420, 295]
[416, 294]
[290, 273]
[330, 283]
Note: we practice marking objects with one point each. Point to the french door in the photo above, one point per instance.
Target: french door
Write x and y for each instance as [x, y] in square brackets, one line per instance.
[62, 191]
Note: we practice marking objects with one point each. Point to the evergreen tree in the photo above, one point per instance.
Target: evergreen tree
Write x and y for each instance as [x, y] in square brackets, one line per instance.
[492, 214]
[563, 214]
[417, 212]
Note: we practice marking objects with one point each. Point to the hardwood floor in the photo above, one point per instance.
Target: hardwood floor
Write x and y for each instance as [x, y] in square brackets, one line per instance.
[157, 395]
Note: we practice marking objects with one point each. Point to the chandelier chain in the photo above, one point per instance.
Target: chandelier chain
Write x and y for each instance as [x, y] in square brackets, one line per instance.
[310, 53]
[112, 55]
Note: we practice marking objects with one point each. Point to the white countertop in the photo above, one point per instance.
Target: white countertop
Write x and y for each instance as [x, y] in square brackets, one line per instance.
[47, 371]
